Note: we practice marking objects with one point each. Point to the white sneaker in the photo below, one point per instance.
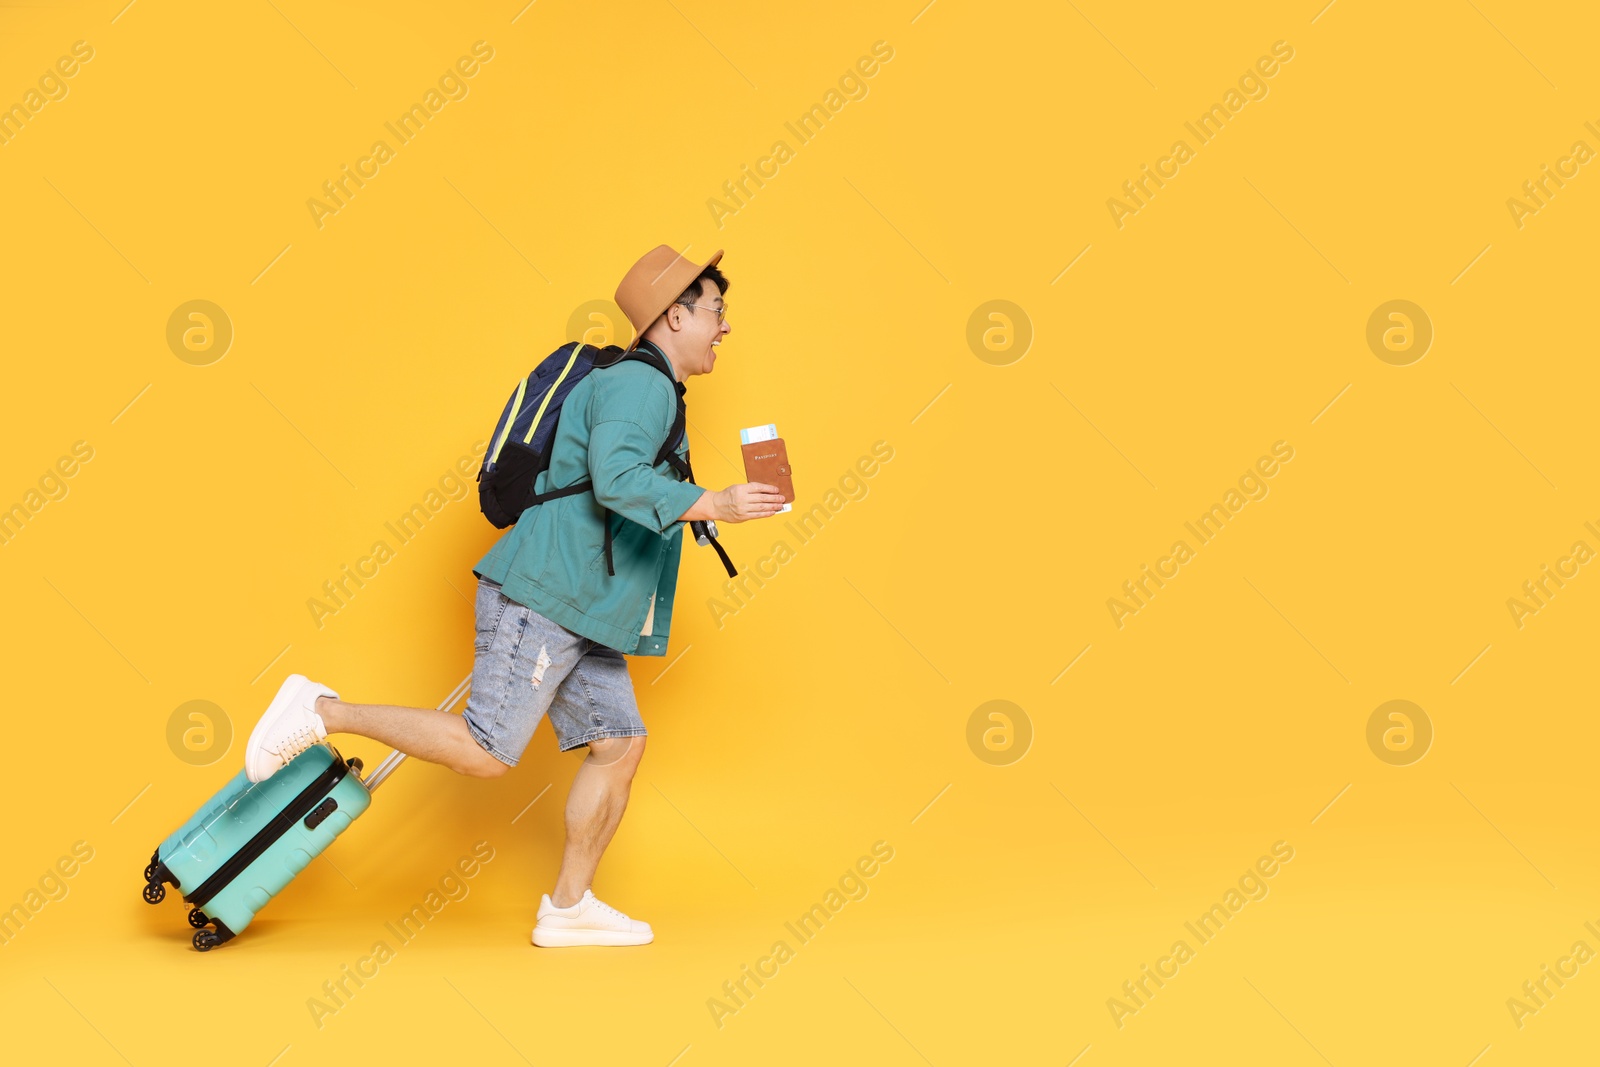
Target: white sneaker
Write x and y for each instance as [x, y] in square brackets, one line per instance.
[590, 921]
[290, 726]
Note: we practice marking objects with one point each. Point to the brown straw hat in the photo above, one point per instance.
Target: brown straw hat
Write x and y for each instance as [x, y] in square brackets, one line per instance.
[653, 283]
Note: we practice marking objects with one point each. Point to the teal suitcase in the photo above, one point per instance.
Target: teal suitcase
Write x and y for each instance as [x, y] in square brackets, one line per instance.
[248, 841]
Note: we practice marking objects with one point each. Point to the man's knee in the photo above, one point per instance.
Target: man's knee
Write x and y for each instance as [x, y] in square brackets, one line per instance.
[621, 753]
[480, 764]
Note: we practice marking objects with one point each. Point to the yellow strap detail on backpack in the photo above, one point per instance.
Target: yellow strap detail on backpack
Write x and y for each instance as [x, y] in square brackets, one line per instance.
[516, 406]
[576, 349]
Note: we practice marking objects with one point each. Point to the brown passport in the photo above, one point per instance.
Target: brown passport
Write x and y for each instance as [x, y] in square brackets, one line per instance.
[768, 462]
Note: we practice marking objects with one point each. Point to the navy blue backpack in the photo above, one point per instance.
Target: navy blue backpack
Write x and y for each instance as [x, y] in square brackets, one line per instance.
[525, 436]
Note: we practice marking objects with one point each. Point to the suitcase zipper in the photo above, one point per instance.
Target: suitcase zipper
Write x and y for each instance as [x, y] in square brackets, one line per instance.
[252, 849]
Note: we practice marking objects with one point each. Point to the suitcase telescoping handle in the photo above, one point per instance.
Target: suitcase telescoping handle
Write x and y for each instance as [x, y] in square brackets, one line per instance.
[395, 758]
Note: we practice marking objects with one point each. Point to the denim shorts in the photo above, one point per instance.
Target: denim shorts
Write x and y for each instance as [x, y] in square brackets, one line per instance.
[526, 667]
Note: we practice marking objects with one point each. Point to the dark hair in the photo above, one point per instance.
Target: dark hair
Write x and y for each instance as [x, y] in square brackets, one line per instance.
[697, 288]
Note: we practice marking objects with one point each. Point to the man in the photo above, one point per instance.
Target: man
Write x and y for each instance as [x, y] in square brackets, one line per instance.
[552, 624]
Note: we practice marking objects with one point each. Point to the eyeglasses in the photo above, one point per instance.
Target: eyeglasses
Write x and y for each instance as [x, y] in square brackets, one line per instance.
[722, 312]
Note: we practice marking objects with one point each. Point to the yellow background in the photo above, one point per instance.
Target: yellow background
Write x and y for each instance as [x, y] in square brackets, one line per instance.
[828, 713]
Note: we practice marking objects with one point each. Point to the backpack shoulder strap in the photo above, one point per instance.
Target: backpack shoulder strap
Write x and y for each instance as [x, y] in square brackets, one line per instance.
[668, 452]
[613, 356]
[669, 447]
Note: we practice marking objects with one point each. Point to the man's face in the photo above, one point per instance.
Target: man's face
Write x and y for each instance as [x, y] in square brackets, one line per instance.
[702, 330]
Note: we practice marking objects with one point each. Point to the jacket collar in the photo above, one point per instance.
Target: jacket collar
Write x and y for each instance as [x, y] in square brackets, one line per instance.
[658, 357]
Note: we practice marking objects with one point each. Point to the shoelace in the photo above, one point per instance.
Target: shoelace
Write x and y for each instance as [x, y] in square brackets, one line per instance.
[302, 738]
[608, 908]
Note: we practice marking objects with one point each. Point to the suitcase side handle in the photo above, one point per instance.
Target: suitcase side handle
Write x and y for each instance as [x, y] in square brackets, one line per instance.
[395, 758]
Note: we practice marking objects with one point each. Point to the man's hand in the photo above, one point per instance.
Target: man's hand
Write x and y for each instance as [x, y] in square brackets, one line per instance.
[737, 503]
[750, 500]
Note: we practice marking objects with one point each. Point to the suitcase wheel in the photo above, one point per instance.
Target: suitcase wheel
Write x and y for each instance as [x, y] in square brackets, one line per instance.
[197, 918]
[150, 873]
[206, 940]
[154, 892]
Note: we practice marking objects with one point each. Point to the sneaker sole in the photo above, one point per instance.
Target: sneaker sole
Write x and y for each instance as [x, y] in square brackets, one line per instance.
[288, 696]
[572, 938]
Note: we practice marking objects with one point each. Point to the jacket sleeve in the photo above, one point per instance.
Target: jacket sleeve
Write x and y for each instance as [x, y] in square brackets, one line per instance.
[621, 447]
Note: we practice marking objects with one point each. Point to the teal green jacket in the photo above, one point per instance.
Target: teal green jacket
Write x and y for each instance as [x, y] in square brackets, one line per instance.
[612, 425]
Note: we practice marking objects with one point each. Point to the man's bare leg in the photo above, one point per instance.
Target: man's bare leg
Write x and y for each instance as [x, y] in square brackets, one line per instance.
[436, 736]
[595, 804]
